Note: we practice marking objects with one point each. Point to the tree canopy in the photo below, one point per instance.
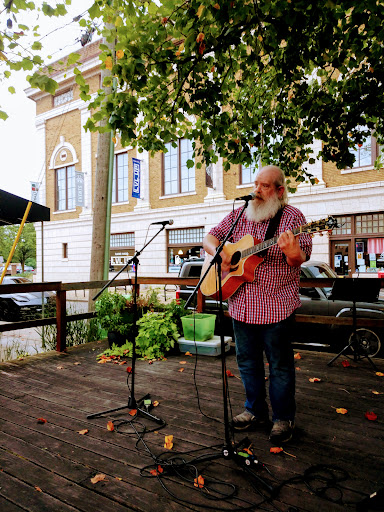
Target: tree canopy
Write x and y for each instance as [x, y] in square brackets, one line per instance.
[234, 75]
[243, 79]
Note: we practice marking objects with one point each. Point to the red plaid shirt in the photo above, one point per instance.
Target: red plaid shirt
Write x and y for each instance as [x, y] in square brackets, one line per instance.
[274, 294]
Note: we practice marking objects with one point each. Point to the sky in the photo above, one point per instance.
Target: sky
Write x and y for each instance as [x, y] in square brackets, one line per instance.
[18, 158]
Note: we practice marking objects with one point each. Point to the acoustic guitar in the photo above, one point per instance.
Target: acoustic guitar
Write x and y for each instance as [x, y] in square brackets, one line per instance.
[245, 259]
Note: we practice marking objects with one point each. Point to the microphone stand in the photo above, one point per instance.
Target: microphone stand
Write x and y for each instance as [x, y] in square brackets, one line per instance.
[230, 450]
[132, 403]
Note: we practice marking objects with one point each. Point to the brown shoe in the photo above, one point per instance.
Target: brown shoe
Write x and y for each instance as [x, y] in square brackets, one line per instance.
[248, 421]
[281, 431]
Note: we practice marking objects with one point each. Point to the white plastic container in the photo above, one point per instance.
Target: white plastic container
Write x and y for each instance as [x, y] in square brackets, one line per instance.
[210, 347]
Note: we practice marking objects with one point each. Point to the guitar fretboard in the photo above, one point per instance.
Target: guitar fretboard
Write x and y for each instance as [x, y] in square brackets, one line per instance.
[272, 241]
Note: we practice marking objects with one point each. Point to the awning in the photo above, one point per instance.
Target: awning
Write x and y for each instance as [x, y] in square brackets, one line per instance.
[12, 209]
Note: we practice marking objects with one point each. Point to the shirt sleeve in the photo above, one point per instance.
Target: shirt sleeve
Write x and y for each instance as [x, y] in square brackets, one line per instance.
[296, 220]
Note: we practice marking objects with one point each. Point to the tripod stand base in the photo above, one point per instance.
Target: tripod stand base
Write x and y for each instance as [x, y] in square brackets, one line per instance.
[357, 356]
[243, 459]
[132, 404]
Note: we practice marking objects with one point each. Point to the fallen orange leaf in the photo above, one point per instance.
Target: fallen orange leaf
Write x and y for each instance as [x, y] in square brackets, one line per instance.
[341, 410]
[229, 373]
[77, 362]
[102, 361]
[380, 374]
[38, 488]
[110, 426]
[155, 403]
[375, 392]
[370, 416]
[247, 450]
[98, 478]
[298, 368]
[41, 420]
[297, 356]
[82, 432]
[314, 379]
[129, 369]
[123, 362]
[60, 367]
[188, 354]
[157, 471]
[181, 369]
[133, 412]
[345, 363]
[275, 449]
[199, 482]
[168, 442]
[183, 362]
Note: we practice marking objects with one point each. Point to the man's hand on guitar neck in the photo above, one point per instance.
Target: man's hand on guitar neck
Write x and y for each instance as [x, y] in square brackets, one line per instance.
[210, 245]
[290, 246]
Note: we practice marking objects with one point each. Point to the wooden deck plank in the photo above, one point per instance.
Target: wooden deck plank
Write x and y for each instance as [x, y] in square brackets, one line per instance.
[36, 388]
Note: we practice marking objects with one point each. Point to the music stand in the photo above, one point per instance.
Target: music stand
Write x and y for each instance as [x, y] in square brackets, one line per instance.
[355, 290]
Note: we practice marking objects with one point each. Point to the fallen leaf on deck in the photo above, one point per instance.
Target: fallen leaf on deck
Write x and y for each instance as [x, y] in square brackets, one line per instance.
[181, 369]
[199, 482]
[248, 450]
[298, 368]
[297, 356]
[276, 449]
[168, 442]
[102, 361]
[345, 363]
[123, 362]
[157, 471]
[129, 369]
[41, 420]
[371, 416]
[229, 373]
[59, 367]
[83, 432]
[38, 488]
[376, 392]
[98, 478]
[118, 477]
[314, 379]
[183, 362]
[341, 410]
[77, 362]
[133, 412]
[110, 426]
[155, 403]
[188, 354]
[380, 374]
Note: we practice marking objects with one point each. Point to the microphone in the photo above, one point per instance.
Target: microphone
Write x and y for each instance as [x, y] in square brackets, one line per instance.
[163, 222]
[250, 196]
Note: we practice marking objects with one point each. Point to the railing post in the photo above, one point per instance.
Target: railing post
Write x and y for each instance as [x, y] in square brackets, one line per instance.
[200, 301]
[61, 320]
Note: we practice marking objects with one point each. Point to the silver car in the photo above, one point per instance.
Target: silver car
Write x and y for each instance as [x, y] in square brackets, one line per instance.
[16, 306]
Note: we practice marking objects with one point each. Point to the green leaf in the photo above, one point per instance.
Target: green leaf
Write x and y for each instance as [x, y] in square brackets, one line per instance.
[11, 90]
[3, 115]
[73, 58]
[36, 45]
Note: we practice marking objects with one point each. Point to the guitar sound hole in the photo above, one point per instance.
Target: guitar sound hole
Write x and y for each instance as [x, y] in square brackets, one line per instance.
[236, 256]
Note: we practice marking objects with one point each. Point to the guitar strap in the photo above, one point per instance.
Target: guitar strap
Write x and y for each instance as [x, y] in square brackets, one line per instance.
[272, 227]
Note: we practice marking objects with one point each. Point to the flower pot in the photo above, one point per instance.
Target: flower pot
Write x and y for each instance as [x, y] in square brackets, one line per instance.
[116, 338]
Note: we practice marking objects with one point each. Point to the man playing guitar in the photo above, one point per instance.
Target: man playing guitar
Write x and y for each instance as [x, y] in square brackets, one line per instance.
[262, 310]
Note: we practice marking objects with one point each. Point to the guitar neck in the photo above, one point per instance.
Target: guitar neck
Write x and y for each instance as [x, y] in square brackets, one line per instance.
[262, 246]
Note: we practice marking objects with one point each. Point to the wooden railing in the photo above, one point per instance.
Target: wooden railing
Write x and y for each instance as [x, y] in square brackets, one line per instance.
[61, 319]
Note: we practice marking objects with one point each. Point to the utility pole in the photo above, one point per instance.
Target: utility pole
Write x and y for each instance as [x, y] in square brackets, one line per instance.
[102, 196]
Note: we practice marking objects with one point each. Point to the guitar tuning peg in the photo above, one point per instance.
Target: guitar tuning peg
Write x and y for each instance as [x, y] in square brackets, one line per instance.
[312, 235]
[317, 229]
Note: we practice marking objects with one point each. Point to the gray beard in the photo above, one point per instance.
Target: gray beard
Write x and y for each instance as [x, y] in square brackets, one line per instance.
[265, 210]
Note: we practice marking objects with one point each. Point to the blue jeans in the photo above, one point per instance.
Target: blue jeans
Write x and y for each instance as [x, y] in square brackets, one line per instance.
[275, 340]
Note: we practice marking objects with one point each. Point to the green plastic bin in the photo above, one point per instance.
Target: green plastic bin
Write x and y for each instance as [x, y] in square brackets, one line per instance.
[198, 327]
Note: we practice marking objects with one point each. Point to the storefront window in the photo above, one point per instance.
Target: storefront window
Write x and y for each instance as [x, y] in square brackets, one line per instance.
[344, 224]
[122, 248]
[184, 244]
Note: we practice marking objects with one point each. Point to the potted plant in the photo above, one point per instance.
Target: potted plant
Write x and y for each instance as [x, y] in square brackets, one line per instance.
[115, 313]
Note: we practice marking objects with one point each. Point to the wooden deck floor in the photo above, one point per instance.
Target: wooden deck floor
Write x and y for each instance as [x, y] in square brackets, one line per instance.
[49, 466]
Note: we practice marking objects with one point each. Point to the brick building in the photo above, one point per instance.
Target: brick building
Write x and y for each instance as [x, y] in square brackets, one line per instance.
[169, 190]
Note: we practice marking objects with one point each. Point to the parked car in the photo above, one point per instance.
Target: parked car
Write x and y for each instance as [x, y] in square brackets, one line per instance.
[315, 301]
[15, 306]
